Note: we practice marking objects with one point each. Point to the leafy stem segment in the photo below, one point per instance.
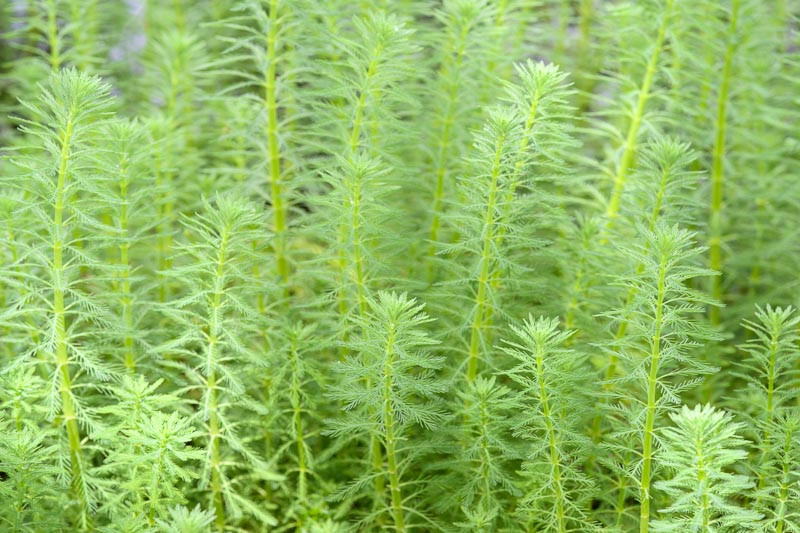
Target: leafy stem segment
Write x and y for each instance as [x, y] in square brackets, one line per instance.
[629, 150]
[211, 380]
[390, 440]
[77, 483]
[485, 278]
[652, 393]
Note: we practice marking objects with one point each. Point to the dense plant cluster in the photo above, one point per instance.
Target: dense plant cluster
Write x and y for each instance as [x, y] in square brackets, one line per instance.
[410, 265]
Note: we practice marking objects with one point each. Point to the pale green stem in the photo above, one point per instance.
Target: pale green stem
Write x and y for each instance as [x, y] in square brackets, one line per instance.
[485, 455]
[514, 182]
[61, 337]
[584, 61]
[443, 157]
[52, 37]
[786, 483]
[702, 478]
[279, 224]
[214, 331]
[124, 260]
[481, 299]
[390, 438]
[652, 393]
[629, 150]
[718, 167]
[655, 214]
[555, 458]
[297, 420]
[352, 146]
[770, 407]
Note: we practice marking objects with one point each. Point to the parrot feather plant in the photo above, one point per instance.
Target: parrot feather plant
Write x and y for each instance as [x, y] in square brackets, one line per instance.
[407, 265]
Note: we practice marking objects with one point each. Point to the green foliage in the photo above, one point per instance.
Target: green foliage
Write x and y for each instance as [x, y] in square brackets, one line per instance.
[217, 318]
[389, 387]
[265, 265]
[699, 449]
[551, 378]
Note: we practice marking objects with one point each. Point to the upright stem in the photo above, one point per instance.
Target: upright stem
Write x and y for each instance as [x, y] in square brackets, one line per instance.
[443, 155]
[214, 331]
[499, 22]
[125, 286]
[352, 146]
[61, 339]
[718, 166]
[297, 421]
[514, 182]
[485, 278]
[702, 479]
[484, 441]
[214, 444]
[358, 257]
[585, 80]
[652, 392]
[629, 151]
[276, 187]
[655, 215]
[390, 438]
[53, 40]
[555, 456]
[786, 481]
[770, 407]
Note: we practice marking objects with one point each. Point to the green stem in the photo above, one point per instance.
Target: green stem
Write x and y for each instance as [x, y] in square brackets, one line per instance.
[786, 482]
[485, 277]
[444, 149]
[214, 437]
[485, 456]
[770, 407]
[652, 391]
[702, 482]
[211, 383]
[629, 151]
[297, 421]
[53, 40]
[718, 167]
[353, 144]
[390, 438]
[514, 182]
[61, 338]
[124, 260]
[499, 34]
[352, 147]
[276, 187]
[655, 215]
[564, 15]
[555, 456]
[585, 59]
